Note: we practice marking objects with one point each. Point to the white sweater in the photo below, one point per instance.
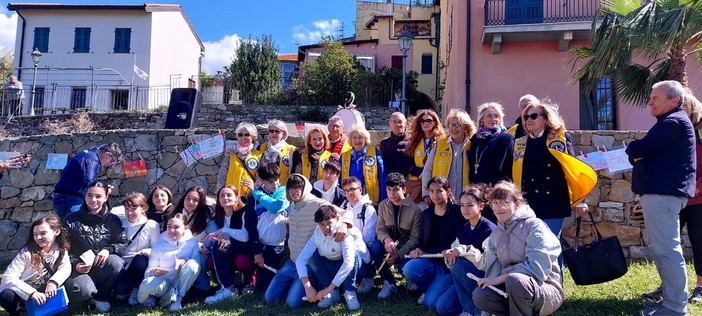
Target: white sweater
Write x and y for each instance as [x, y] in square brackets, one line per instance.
[165, 252]
[367, 228]
[147, 237]
[330, 249]
[20, 272]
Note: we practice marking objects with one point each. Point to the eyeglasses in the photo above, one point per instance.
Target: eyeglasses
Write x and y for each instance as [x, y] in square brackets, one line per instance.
[496, 204]
[455, 125]
[243, 134]
[350, 190]
[426, 121]
[532, 116]
[274, 131]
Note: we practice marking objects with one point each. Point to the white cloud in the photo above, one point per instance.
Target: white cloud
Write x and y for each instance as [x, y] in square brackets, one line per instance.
[8, 29]
[303, 35]
[220, 53]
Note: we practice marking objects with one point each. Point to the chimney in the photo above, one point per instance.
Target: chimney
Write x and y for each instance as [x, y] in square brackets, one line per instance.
[388, 7]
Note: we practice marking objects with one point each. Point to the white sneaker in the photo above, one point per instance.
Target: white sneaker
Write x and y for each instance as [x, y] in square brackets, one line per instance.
[176, 305]
[221, 295]
[351, 300]
[134, 297]
[366, 285]
[387, 290]
[102, 306]
[329, 301]
[411, 286]
[421, 298]
[151, 302]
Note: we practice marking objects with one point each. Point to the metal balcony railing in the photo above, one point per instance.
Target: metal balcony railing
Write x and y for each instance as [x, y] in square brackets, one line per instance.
[512, 12]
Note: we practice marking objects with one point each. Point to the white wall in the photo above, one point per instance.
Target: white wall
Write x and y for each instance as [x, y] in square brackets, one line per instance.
[175, 50]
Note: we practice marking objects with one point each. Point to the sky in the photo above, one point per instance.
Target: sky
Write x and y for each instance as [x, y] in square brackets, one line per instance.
[221, 24]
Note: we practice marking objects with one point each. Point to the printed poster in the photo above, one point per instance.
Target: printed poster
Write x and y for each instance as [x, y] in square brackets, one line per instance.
[187, 157]
[56, 161]
[4, 156]
[211, 147]
[195, 151]
[595, 159]
[617, 160]
[136, 168]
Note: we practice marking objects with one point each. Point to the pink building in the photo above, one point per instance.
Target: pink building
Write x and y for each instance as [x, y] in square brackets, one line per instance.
[499, 50]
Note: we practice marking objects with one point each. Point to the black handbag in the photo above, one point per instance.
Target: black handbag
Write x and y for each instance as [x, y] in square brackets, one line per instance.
[601, 261]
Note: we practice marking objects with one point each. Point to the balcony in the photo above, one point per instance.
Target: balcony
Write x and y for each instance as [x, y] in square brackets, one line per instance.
[537, 20]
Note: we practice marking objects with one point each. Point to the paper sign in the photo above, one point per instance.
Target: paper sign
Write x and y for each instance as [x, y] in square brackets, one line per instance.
[136, 168]
[617, 160]
[187, 157]
[88, 257]
[195, 151]
[230, 145]
[5, 156]
[595, 159]
[56, 161]
[211, 147]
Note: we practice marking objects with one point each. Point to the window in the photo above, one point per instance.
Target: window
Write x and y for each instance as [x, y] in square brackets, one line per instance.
[81, 43]
[39, 98]
[41, 39]
[396, 62]
[288, 74]
[78, 98]
[120, 99]
[598, 107]
[367, 60]
[426, 64]
[123, 37]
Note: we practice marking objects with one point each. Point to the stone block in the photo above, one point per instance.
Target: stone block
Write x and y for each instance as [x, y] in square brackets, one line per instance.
[585, 138]
[8, 228]
[19, 238]
[177, 170]
[153, 175]
[22, 214]
[9, 191]
[38, 215]
[33, 194]
[44, 177]
[146, 142]
[621, 191]
[10, 203]
[202, 169]
[168, 159]
[611, 205]
[21, 178]
[614, 215]
[640, 252]
[44, 205]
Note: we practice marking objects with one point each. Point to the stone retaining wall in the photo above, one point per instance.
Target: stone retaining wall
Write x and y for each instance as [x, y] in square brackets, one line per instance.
[26, 193]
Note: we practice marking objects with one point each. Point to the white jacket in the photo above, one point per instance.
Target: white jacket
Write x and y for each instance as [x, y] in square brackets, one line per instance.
[20, 272]
[165, 252]
[367, 228]
[147, 237]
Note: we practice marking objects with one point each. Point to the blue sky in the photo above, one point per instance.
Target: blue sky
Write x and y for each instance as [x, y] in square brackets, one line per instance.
[222, 23]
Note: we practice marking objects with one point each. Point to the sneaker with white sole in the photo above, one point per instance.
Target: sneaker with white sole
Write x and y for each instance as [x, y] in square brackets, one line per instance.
[351, 300]
[221, 295]
[696, 296]
[102, 306]
[151, 302]
[329, 301]
[365, 286]
[387, 290]
[421, 298]
[176, 305]
[134, 297]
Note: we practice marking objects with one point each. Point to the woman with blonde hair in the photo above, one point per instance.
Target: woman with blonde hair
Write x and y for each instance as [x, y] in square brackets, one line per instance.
[310, 161]
[425, 130]
[448, 157]
[277, 150]
[239, 168]
[365, 162]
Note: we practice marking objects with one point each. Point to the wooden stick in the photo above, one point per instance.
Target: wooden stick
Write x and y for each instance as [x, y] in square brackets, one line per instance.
[387, 256]
[498, 291]
[304, 298]
[269, 268]
[436, 255]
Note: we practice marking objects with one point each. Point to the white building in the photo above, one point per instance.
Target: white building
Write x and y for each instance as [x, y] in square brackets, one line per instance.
[90, 54]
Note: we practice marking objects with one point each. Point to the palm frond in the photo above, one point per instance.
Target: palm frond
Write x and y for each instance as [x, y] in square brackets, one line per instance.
[622, 7]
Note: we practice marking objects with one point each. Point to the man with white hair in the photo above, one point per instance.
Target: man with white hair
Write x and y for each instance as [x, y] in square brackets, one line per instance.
[392, 148]
[518, 129]
[14, 94]
[337, 140]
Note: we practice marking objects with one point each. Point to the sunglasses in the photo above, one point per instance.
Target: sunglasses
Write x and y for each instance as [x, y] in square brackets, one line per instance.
[426, 121]
[455, 125]
[532, 116]
[243, 134]
[274, 131]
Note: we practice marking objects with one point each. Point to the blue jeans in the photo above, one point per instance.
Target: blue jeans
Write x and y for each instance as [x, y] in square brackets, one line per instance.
[464, 284]
[430, 276]
[377, 251]
[556, 225]
[286, 286]
[65, 204]
[325, 270]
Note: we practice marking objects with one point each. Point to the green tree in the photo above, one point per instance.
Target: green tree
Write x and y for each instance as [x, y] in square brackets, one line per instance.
[660, 31]
[330, 76]
[255, 71]
[6, 57]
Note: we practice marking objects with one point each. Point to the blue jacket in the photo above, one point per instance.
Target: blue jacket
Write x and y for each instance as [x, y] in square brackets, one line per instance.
[667, 157]
[80, 172]
[356, 170]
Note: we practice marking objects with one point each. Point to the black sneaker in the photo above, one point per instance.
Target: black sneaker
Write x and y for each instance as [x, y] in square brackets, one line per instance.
[696, 296]
[653, 296]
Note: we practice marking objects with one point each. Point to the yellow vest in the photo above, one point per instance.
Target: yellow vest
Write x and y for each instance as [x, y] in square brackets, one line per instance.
[443, 158]
[285, 161]
[513, 130]
[418, 158]
[237, 172]
[307, 165]
[370, 172]
[580, 177]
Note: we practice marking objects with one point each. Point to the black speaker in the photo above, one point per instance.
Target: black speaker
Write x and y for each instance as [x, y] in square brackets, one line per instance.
[182, 108]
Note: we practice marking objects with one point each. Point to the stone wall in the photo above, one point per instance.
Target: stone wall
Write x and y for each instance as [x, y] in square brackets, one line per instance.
[26, 193]
[223, 116]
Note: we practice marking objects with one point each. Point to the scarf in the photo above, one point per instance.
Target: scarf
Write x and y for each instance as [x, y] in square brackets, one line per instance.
[314, 155]
[490, 133]
[244, 150]
[274, 152]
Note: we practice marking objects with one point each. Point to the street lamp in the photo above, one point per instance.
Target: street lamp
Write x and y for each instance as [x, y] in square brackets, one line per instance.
[36, 56]
[405, 40]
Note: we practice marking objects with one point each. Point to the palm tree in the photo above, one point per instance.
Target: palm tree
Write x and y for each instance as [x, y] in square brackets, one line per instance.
[658, 32]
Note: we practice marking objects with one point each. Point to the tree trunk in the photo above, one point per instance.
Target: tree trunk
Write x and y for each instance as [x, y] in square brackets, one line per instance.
[677, 71]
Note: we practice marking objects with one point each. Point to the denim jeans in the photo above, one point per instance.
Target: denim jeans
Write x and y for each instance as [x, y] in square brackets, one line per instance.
[430, 276]
[464, 284]
[286, 286]
[159, 286]
[65, 204]
[325, 270]
[556, 225]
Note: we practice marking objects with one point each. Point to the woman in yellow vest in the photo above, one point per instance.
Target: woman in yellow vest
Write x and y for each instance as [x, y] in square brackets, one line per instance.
[364, 162]
[448, 158]
[543, 165]
[425, 131]
[239, 168]
[310, 161]
[277, 150]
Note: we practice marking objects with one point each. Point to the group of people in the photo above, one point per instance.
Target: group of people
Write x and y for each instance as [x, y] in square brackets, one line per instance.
[465, 214]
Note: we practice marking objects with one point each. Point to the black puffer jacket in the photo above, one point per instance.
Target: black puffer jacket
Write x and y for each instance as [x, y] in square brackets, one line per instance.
[94, 231]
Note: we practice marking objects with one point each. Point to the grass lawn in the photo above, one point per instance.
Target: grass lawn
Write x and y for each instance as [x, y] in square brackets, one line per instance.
[619, 297]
